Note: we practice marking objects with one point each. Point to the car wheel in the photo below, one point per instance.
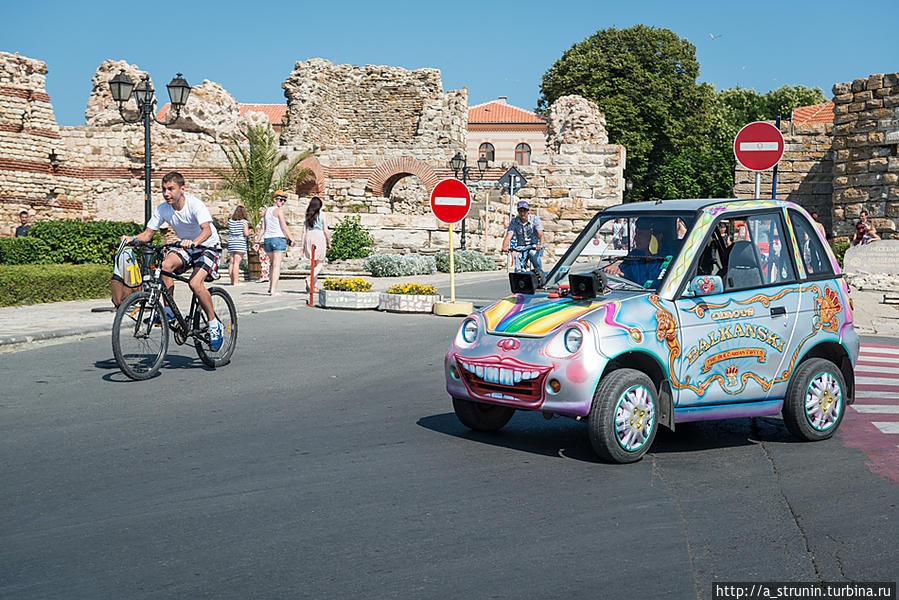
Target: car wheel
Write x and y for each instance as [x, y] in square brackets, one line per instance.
[482, 417]
[624, 416]
[816, 400]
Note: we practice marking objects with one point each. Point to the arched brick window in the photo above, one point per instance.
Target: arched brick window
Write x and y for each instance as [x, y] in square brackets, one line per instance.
[486, 150]
[522, 154]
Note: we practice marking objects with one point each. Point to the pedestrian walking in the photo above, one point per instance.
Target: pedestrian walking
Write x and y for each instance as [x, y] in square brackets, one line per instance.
[861, 228]
[275, 238]
[315, 235]
[257, 247]
[238, 231]
[818, 225]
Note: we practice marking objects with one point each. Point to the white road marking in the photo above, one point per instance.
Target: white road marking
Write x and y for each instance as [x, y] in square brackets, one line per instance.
[877, 395]
[877, 381]
[887, 426]
[881, 368]
[885, 409]
[870, 350]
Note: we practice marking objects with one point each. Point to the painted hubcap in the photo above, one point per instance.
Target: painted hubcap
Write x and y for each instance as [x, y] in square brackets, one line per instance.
[823, 401]
[634, 418]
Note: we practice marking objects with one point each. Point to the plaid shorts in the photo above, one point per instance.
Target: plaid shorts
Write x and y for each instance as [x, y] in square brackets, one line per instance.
[200, 258]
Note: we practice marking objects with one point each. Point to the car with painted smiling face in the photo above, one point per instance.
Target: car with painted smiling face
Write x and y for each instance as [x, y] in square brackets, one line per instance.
[667, 312]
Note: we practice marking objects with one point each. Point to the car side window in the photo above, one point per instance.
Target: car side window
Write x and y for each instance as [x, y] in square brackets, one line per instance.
[758, 255]
[814, 258]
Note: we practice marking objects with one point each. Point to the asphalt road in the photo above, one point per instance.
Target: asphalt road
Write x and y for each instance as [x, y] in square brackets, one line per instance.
[326, 462]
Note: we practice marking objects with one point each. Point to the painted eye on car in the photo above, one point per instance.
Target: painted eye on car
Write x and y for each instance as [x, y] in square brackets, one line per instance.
[573, 338]
[469, 330]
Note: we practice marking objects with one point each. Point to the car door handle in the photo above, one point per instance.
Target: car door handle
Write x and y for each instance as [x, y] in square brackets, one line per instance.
[778, 311]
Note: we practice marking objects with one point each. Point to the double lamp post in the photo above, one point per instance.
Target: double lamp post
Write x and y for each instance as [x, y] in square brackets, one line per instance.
[122, 87]
[459, 164]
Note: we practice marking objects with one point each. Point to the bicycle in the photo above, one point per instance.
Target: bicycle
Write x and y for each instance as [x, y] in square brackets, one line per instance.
[140, 330]
[523, 265]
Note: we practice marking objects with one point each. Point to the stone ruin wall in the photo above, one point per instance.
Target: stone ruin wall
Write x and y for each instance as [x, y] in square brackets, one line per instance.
[804, 174]
[866, 166]
[365, 162]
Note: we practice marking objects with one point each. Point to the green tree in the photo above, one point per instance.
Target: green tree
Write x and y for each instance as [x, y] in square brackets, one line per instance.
[644, 80]
[258, 168]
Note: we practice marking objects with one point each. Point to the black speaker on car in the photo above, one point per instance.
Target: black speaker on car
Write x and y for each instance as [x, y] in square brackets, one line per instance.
[588, 285]
[523, 283]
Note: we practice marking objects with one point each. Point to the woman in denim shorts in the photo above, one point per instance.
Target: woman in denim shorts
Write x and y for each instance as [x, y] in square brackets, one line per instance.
[276, 238]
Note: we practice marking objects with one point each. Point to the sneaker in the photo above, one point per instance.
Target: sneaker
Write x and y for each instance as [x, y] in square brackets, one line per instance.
[169, 314]
[216, 338]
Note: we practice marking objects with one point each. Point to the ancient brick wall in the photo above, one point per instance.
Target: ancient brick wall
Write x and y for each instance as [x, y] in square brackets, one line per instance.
[804, 175]
[866, 167]
[33, 174]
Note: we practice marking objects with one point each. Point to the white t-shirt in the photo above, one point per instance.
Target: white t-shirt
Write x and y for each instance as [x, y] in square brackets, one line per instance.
[186, 222]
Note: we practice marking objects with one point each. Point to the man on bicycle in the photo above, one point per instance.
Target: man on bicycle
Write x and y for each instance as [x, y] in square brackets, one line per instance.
[528, 231]
[200, 247]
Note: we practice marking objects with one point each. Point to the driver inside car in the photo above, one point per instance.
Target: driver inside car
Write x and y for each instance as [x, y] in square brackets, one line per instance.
[641, 265]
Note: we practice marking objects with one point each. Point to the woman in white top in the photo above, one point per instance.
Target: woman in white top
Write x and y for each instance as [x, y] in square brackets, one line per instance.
[276, 238]
[315, 235]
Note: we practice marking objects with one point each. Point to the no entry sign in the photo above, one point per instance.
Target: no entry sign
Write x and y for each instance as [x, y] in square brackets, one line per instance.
[759, 146]
[450, 201]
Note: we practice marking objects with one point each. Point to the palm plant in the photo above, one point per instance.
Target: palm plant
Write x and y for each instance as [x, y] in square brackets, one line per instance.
[258, 167]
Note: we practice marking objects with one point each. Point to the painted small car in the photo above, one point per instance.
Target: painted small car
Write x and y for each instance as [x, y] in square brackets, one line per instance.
[666, 312]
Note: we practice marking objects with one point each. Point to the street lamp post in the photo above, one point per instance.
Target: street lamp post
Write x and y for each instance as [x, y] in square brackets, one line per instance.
[122, 87]
[458, 164]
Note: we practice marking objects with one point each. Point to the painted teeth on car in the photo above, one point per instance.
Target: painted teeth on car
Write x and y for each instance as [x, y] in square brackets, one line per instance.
[501, 375]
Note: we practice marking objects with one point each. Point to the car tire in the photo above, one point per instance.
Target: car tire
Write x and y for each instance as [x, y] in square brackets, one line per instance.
[624, 417]
[816, 400]
[482, 417]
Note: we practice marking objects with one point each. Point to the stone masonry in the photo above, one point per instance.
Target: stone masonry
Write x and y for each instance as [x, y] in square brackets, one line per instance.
[381, 136]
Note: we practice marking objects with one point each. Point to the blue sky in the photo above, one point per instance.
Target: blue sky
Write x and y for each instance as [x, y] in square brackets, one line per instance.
[493, 48]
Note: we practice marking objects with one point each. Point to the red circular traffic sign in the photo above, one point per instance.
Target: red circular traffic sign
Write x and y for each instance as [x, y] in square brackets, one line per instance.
[759, 146]
[450, 201]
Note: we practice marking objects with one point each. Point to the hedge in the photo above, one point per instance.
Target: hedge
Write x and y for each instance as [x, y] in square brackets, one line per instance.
[23, 251]
[465, 260]
[32, 284]
[399, 265]
[80, 242]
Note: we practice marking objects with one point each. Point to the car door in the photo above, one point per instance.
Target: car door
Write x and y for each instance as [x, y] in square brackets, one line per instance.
[734, 339]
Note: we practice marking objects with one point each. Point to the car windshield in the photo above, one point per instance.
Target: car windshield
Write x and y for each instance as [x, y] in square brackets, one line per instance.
[633, 250]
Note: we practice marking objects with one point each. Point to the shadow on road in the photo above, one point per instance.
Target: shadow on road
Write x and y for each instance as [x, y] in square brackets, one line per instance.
[171, 361]
[567, 438]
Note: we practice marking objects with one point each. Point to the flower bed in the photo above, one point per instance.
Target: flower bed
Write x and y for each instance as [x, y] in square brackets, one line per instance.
[347, 293]
[409, 297]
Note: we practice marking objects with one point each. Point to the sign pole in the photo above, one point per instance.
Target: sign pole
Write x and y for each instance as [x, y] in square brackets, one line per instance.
[758, 185]
[452, 268]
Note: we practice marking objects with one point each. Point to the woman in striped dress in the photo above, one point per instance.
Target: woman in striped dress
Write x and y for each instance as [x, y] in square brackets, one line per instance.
[238, 230]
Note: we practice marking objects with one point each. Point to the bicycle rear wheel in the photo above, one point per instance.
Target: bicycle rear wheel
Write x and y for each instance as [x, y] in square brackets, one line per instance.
[138, 344]
[225, 312]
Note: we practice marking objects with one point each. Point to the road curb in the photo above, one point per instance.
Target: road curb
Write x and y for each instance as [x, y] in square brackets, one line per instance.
[51, 335]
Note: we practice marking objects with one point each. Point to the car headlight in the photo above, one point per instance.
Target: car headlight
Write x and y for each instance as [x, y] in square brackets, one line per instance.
[470, 330]
[573, 339]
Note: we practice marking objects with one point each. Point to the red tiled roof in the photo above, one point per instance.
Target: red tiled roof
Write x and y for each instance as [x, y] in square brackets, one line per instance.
[274, 112]
[498, 111]
[816, 113]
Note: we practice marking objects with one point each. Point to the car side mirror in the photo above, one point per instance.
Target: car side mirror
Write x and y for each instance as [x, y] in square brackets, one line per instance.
[706, 285]
[588, 285]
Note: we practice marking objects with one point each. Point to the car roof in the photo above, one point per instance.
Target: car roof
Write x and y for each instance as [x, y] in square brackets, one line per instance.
[683, 205]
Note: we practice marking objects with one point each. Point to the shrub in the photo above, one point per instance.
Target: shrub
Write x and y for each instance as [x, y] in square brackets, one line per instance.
[399, 265]
[350, 240]
[23, 251]
[465, 260]
[79, 242]
[416, 289]
[345, 284]
[31, 284]
[839, 248]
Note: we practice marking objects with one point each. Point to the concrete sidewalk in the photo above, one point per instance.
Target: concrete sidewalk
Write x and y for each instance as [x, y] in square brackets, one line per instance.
[22, 326]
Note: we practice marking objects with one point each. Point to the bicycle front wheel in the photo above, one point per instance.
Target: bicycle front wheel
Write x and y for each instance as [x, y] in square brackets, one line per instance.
[140, 336]
[223, 306]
